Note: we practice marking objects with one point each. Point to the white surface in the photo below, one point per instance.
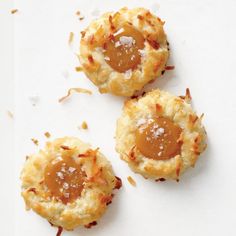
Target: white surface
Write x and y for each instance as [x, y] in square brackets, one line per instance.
[6, 123]
[202, 38]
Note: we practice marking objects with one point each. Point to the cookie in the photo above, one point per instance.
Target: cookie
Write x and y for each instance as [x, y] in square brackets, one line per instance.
[159, 135]
[68, 183]
[122, 51]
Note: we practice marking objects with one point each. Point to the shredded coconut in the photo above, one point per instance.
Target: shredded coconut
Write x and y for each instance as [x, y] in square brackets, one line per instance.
[121, 30]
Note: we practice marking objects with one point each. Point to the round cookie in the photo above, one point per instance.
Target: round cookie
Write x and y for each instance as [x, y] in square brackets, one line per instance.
[68, 183]
[122, 51]
[159, 135]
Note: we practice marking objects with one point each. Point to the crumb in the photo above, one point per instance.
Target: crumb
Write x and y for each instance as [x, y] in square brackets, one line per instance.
[10, 114]
[78, 69]
[71, 38]
[34, 99]
[35, 141]
[84, 125]
[47, 134]
[77, 13]
[13, 11]
[131, 181]
[26, 158]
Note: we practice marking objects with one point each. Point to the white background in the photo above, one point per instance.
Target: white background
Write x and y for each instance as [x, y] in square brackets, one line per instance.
[202, 38]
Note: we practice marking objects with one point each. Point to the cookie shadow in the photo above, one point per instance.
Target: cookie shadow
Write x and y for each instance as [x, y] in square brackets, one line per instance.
[107, 219]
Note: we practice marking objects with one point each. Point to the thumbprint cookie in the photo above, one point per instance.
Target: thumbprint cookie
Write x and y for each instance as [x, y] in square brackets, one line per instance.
[122, 51]
[159, 135]
[68, 183]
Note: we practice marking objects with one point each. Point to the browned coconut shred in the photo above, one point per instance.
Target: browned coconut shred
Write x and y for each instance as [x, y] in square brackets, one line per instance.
[13, 11]
[71, 38]
[131, 181]
[75, 90]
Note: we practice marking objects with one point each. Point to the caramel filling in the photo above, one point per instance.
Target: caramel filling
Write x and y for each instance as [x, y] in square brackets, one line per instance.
[158, 139]
[64, 179]
[122, 50]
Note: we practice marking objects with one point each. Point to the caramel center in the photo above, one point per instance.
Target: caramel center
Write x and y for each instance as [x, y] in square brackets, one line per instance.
[158, 139]
[64, 179]
[122, 51]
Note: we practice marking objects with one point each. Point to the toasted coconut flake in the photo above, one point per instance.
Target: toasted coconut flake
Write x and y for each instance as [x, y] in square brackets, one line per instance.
[90, 59]
[88, 226]
[59, 231]
[140, 17]
[47, 134]
[10, 114]
[13, 11]
[169, 67]
[32, 190]
[64, 147]
[131, 154]
[106, 199]
[83, 34]
[187, 96]
[158, 108]
[35, 141]
[78, 13]
[111, 23]
[73, 90]
[71, 38]
[154, 43]
[131, 181]
[78, 68]
[160, 180]
[81, 18]
[118, 184]
[84, 125]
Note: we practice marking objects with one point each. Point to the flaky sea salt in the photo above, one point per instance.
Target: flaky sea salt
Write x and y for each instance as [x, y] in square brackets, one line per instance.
[141, 121]
[158, 132]
[65, 185]
[60, 175]
[117, 44]
[127, 41]
[71, 169]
